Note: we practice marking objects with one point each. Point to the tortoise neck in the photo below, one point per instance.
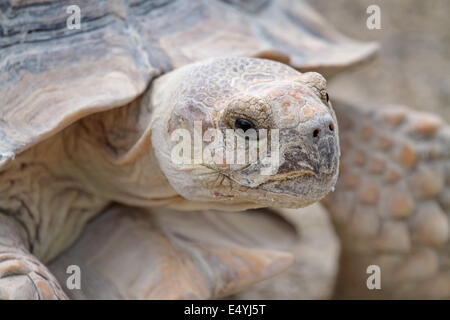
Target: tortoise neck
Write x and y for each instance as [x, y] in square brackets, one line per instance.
[115, 154]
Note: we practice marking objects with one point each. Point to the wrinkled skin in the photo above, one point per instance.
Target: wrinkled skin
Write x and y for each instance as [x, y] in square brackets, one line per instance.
[124, 156]
[220, 92]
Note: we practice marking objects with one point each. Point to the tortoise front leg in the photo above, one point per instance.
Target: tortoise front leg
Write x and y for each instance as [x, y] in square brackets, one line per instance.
[131, 253]
[23, 276]
[392, 202]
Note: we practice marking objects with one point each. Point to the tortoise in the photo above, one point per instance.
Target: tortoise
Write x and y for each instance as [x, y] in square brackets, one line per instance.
[83, 110]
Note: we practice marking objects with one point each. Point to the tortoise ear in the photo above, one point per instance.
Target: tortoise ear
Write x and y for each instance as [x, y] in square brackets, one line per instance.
[316, 82]
[134, 254]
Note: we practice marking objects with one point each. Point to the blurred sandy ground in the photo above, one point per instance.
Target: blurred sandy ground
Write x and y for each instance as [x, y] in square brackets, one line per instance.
[413, 66]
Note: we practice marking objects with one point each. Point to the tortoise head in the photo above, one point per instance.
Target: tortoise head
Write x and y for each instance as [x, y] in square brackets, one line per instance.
[247, 132]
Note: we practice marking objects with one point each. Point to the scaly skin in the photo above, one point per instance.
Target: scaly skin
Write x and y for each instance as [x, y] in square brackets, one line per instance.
[51, 190]
[271, 95]
[391, 205]
[166, 254]
[43, 209]
[22, 276]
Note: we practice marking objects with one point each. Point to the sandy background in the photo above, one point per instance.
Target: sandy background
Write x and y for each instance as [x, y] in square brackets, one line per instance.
[413, 66]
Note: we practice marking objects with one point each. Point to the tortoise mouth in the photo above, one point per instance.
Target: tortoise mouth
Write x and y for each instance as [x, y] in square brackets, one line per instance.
[290, 176]
[295, 189]
[304, 184]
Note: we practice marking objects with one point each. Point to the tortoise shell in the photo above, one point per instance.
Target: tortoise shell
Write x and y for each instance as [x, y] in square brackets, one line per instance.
[51, 74]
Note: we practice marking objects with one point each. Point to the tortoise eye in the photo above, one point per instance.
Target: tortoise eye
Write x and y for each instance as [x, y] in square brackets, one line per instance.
[244, 124]
[324, 96]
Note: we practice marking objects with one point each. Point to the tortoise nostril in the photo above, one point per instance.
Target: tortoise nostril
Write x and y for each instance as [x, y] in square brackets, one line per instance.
[321, 127]
[316, 133]
[331, 126]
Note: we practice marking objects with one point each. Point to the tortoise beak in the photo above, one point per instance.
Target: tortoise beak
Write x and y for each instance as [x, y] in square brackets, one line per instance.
[316, 150]
[328, 155]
